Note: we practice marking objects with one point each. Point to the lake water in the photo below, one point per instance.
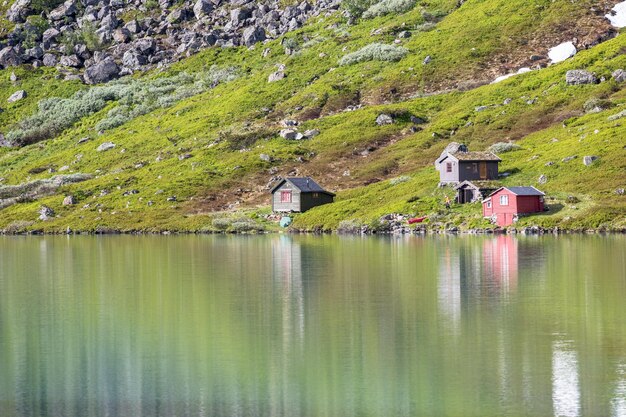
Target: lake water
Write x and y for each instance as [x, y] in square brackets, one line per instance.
[312, 326]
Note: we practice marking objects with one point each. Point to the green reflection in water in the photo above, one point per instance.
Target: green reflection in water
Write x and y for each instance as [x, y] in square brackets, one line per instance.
[312, 326]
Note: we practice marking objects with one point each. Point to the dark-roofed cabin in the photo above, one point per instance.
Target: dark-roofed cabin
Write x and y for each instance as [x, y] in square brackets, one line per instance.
[505, 204]
[467, 166]
[299, 195]
[471, 191]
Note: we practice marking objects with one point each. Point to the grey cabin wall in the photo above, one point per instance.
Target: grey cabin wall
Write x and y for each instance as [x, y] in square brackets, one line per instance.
[277, 205]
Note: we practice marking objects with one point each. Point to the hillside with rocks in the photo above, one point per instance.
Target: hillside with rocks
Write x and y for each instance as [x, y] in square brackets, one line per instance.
[175, 115]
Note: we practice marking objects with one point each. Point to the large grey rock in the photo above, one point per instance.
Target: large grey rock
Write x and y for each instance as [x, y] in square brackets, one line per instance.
[17, 96]
[384, 119]
[67, 9]
[9, 58]
[178, 16]
[49, 36]
[289, 134]
[19, 11]
[50, 60]
[134, 60]
[70, 61]
[202, 8]
[580, 77]
[619, 75]
[105, 147]
[252, 35]
[588, 160]
[102, 72]
[69, 200]
[45, 213]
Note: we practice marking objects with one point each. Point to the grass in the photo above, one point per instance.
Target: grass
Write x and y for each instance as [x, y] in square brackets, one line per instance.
[205, 150]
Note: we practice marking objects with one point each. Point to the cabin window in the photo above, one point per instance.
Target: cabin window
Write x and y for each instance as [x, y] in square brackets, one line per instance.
[285, 196]
[488, 204]
[504, 200]
[316, 195]
[448, 166]
[475, 168]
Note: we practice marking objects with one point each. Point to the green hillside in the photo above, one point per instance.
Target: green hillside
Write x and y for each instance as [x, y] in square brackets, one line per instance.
[197, 144]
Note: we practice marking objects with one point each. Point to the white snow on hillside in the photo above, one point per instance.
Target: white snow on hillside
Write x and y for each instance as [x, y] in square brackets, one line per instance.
[617, 17]
[507, 76]
[561, 52]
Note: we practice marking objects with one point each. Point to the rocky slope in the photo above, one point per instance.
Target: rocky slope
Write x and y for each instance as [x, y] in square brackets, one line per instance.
[113, 38]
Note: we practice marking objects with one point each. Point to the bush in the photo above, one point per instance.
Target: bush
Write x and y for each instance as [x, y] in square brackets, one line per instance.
[349, 227]
[356, 8]
[221, 224]
[16, 227]
[388, 6]
[136, 97]
[596, 105]
[399, 180]
[375, 52]
[503, 147]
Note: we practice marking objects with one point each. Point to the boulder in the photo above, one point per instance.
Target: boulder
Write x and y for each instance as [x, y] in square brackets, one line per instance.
[67, 9]
[18, 11]
[105, 147]
[384, 119]
[17, 96]
[178, 16]
[265, 157]
[70, 61]
[311, 133]
[542, 179]
[9, 58]
[588, 160]
[619, 75]
[252, 35]
[134, 60]
[45, 213]
[289, 134]
[122, 35]
[580, 77]
[102, 72]
[202, 8]
[569, 158]
[276, 76]
[69, 200]
[50, 60]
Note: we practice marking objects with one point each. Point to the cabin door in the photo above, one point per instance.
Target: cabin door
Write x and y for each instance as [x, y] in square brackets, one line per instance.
[483, 170]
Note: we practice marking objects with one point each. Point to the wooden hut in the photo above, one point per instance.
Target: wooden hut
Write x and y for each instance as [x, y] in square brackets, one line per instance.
[298, 195]
[505, 204]
[471, 191]
[467, 166]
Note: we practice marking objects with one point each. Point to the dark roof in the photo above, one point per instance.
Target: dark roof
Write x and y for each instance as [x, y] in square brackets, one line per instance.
[522, 191]
[304, 184]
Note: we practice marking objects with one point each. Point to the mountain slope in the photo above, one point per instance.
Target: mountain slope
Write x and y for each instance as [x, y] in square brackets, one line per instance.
[219, 149]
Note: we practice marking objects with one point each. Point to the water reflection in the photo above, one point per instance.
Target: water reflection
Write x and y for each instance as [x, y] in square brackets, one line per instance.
[306, 326]
[565, 384]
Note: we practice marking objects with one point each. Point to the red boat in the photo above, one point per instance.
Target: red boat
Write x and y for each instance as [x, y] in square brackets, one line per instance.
[417, 220]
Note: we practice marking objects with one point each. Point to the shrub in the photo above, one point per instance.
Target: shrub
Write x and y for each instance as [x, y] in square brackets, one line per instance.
[136, 97]
[596, 105]
[357, 7]
[349, 227]
[221, 224]
[245, 225]
[502, 147]
[399, 180]
[375, 52]
[16, 227]
[387, 7]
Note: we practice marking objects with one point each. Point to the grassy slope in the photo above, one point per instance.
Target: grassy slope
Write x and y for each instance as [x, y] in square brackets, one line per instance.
[223, 174]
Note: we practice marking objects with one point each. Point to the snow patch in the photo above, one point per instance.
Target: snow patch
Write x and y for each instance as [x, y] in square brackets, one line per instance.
[617, 17]
[561, 52]
[507, 76]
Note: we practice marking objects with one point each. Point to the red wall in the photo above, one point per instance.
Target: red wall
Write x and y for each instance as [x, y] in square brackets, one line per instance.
[517, 205]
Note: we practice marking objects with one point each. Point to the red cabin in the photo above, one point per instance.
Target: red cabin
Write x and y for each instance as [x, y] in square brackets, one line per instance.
[506, 203]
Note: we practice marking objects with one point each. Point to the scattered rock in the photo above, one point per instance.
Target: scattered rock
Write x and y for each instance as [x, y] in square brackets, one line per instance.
[45, 213]
[311, 133]
[172, 198]
[569, 158]
[620, 191]
[481, 108]
[384, 119]
[571, 199]
[277, 76]
[69, 200]
[580, 77]
[253, 35]
[17, 96]
[105, 147]
[427, 60]
[619, 75]
[265, 157]
[542, 179]
[588, 160]
[102, 72]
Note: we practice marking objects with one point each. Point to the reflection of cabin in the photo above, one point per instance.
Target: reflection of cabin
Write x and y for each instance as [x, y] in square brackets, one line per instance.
[462, 166]
[505, 204]
[299, 195]
[471, 191]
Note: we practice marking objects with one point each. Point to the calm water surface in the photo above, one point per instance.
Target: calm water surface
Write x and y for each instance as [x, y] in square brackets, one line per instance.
[312, 326]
